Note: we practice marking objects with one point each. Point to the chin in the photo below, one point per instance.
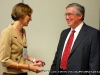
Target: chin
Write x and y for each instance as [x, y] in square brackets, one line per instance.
[69, 24]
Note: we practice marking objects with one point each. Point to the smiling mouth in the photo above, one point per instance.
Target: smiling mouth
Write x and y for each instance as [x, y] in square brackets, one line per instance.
[28, 22]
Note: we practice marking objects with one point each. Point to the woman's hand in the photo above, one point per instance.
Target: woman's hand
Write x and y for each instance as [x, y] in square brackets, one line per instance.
[38, 62]
[34, 68]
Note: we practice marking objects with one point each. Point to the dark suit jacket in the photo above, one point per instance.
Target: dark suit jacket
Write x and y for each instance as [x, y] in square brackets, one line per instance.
[85, 54]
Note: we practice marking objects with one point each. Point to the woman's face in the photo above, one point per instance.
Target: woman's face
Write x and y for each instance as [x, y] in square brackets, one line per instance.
[25, 21]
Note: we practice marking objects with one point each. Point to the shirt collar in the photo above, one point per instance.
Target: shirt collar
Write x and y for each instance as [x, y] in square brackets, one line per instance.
[78, 28]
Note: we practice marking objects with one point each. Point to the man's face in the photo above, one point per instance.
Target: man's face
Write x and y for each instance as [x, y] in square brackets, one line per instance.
[72, 18]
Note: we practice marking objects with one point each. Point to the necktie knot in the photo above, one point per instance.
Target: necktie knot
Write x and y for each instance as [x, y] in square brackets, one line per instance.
[73, 31]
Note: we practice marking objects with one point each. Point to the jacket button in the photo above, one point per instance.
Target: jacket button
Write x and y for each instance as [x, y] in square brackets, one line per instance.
[16, 59]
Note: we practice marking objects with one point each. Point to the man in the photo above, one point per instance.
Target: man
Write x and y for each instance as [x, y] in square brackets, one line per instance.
[77, 52]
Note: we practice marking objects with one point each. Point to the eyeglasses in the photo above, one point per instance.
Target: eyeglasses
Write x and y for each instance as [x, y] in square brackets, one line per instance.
[29, 15]
[69, 14]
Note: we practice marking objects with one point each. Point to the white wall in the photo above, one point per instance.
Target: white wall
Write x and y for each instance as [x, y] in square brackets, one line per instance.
[48, 21]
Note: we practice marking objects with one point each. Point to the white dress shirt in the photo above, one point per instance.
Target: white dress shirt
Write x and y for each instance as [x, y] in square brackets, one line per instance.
[77, 30]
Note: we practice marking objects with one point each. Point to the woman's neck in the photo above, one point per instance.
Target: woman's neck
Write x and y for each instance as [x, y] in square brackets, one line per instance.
[18, 26]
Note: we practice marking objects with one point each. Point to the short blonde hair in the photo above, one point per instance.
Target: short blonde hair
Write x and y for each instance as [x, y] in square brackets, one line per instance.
[20, 10]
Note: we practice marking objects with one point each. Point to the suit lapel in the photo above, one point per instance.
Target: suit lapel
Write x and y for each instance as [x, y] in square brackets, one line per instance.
[62, 42]
[79, 38]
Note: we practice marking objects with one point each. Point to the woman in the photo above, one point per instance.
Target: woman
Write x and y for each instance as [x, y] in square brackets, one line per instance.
[13, 44]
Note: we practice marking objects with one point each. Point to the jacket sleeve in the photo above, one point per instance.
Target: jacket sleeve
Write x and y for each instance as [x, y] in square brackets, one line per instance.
[5, 48]
[54, 67]
[94, 61]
